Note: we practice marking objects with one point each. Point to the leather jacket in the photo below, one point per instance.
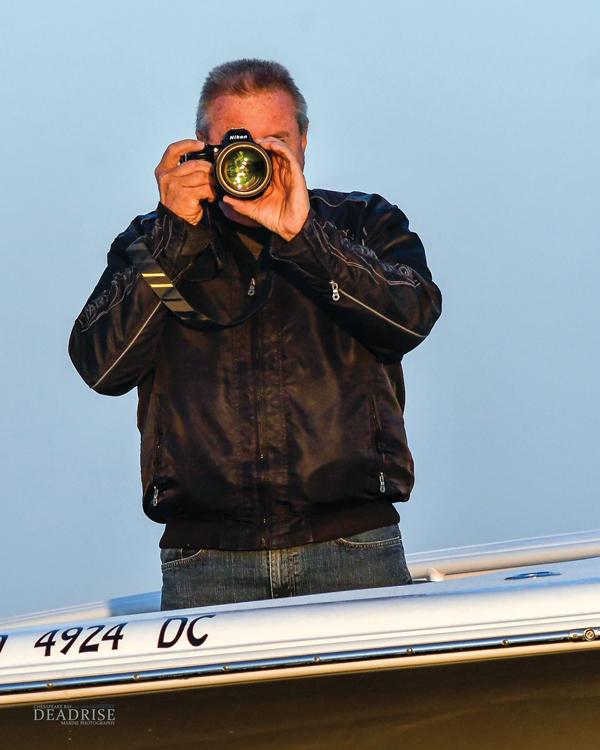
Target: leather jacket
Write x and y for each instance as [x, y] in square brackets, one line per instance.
[277, 420]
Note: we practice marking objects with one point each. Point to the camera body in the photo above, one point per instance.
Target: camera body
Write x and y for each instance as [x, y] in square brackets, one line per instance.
[242, 167]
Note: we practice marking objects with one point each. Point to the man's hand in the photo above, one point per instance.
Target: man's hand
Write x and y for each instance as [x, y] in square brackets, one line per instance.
[284, 206]
[183, 186]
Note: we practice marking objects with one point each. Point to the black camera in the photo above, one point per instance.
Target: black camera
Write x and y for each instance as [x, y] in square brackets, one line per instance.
[243, 169]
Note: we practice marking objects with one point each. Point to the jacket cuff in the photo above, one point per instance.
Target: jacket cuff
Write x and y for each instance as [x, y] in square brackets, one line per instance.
[176, 242]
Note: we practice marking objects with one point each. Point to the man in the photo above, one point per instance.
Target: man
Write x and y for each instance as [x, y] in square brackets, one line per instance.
[269, 377]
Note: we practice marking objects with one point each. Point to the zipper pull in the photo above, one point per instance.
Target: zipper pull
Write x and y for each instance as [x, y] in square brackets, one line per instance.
[335, 291]
[155, 497]
[381, 482]
[251, 288]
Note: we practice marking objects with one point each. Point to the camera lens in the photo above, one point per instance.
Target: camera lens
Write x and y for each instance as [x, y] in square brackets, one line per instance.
[244, 170]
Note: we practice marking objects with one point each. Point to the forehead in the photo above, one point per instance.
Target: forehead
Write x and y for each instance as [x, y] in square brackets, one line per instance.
[263, 113]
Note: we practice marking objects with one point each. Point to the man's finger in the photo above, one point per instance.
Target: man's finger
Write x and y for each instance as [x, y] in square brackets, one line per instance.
[176, 150]
[282, 156]
[194, 166]
[190, 190]
[190, 183]
[279, 147]
[245, 208]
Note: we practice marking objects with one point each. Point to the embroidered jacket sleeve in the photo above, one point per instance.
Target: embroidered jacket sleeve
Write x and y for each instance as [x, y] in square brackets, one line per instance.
[357, 255]
[114, 339]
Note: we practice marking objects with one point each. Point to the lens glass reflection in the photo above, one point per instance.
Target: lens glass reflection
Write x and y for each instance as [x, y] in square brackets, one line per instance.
[244, 169]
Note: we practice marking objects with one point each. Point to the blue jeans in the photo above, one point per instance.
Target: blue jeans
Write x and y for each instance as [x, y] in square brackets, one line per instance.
[205, 577]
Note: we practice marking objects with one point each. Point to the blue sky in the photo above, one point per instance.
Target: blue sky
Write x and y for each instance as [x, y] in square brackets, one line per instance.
[479, 119]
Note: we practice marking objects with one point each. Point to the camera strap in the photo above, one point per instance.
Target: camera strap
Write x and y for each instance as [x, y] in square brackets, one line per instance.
[169, 295]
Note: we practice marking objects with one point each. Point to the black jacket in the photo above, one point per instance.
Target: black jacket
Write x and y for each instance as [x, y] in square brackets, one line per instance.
[279, 422]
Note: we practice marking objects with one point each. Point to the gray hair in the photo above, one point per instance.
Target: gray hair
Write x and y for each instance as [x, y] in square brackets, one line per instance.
[246, 77]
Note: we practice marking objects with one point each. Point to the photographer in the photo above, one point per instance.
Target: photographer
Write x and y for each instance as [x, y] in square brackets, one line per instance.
[264, 336]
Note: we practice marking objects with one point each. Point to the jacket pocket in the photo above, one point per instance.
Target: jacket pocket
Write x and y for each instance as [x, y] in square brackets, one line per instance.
[152, 451]
[158, 439]
[377, 444]
[391, 447]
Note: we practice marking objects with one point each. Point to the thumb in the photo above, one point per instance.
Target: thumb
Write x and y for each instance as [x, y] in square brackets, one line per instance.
[245, 208]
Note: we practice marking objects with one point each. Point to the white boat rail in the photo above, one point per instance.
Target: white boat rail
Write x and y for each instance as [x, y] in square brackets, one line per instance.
[435, 565]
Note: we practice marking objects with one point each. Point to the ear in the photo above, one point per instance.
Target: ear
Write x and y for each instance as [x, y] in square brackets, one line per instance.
[304, 138]
[199, 136]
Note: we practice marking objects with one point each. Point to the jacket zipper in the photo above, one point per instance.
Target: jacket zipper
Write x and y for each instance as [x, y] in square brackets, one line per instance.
[256, 364]
[336, 292]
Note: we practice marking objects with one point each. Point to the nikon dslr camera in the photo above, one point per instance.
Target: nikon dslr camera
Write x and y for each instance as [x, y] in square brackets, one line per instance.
[243, 169]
